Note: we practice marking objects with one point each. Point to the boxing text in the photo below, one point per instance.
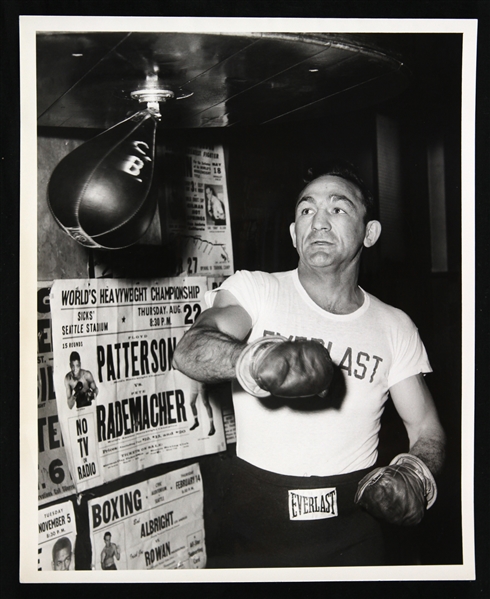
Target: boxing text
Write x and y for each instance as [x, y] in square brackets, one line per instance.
[312, 504]
[140, 413]
[134, 358]
[117, 507]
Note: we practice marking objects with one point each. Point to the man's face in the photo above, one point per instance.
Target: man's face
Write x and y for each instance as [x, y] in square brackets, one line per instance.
[75, 367]
[329, 228]
[107, 540]
[62, 559]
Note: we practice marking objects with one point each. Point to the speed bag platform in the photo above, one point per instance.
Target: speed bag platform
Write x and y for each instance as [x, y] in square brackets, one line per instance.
[99, 193]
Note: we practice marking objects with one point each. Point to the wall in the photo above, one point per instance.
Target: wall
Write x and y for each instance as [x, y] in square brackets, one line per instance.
[58, 256]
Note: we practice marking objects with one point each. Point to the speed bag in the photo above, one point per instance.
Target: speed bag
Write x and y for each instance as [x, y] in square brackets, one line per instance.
[99, 193]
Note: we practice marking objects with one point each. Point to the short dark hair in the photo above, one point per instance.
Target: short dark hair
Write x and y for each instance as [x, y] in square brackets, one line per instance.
[74, 356]
[346, 170]
[107, 534]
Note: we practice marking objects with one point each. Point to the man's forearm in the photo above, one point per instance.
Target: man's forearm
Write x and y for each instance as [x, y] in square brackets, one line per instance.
[432, 451]
[206, 354]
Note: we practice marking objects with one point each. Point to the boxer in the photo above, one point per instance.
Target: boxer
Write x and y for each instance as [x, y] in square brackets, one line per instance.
[110, 551]
[313, 358]
[79, 384]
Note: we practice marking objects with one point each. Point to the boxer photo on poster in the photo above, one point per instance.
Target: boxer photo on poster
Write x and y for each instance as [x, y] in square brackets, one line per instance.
[80, 385]
[62, 553]
[110, 551]
[215, 208]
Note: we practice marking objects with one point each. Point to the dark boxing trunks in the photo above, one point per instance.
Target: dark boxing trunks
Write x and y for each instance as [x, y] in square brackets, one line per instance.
[272, 520]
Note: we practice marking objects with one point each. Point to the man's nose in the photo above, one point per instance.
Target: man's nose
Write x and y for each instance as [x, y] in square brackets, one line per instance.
[321, 220]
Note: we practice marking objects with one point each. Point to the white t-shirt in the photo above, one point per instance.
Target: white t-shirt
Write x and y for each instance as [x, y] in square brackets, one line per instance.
[375, 347]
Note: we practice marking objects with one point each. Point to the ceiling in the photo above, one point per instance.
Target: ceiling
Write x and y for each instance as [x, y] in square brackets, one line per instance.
[84, 80]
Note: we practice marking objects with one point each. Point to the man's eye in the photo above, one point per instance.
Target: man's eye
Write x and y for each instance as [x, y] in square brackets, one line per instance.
[339, 211]
[306, 210]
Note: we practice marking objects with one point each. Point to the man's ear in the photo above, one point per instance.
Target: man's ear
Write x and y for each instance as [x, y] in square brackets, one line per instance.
[292, 232]
[373, 231]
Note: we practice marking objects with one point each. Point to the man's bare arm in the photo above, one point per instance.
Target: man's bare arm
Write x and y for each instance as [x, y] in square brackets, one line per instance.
[69, 396]
[91, 382]
[210, 348]
[432, 451]
[402, 492]
[413, 401]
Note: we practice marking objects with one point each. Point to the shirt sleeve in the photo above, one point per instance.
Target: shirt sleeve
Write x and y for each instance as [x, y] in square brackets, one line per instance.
[249, 289]
[410, 356]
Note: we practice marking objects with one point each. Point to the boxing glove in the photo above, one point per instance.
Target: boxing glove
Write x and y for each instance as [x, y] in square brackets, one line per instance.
[399, 493]
[78, 388]
[276, 366]
[80, 395]
[99, 193]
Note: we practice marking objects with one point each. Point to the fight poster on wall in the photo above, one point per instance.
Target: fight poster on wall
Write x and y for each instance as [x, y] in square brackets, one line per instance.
[156, 524]
[121, 405]
[197, 210]
[54, 478]
[56, 538]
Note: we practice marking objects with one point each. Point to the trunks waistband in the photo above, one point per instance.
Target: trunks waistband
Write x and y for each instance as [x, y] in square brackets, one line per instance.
[301, 482]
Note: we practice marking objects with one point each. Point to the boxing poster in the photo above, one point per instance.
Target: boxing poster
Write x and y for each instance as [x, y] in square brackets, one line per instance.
[57, 536]
[155, 524]
[196, 209]
[122, 407]
[54, 478]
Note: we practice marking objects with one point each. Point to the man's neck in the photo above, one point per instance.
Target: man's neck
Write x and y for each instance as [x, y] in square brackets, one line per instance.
[334, 291]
